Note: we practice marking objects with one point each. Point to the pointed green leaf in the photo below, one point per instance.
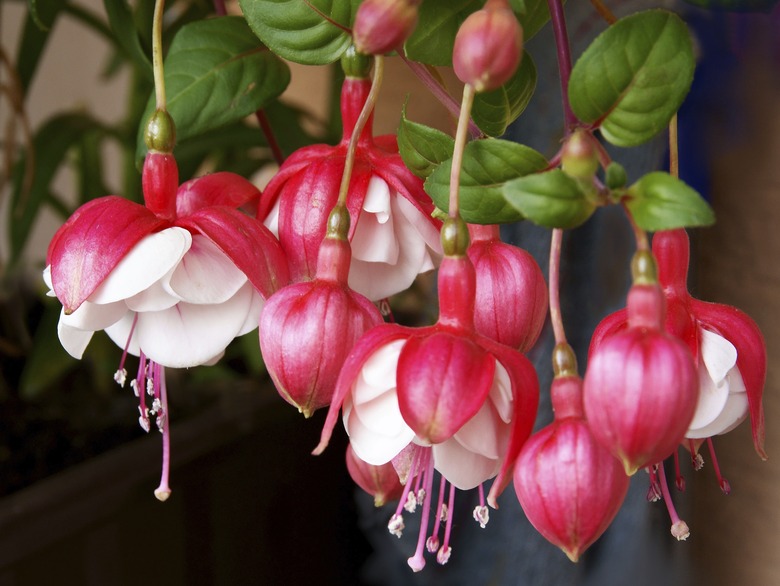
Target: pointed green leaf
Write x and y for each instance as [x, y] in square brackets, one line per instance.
[494, 111]
[633, 77]
[659, 201]
[216, 72]
[312, 32]
[422, 148]
[551, 199]
[532, 14]
[51, 143]
[120, 17]
[487, 165]
[35, 34]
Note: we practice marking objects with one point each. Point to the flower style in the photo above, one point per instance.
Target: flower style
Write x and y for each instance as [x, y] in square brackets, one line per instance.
[441, 397]
[307, 329]
[393, 236]
[511, 302]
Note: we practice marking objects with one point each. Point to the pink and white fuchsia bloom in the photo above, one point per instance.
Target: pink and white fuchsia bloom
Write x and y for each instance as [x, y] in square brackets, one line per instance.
[393, 236]
[441, 398]
[172, 282]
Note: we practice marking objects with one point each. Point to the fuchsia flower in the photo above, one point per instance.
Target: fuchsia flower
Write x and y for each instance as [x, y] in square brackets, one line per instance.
[393, 236]
[511, 301]
[441, 397]
[641, 387]
[569, 485]
[381, 482]
[307, 329]
[172, 282]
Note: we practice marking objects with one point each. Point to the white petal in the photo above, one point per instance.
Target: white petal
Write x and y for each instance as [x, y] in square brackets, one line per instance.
[464, 469]
[253, 316]
[147, 262]
[733, 413]
[422, 225]
[74, 340]
[479, 434]
[155, 297]
[187, 334]
[120, 331]
[712, 398]
[47, 280]
[718, 354]
[372, 447]
[378, 372]
[375, 238]
[206, 274]
[94, 316]
[272, 219]
[501, 393]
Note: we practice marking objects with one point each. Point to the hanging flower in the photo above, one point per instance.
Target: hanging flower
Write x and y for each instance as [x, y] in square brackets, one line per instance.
[307, 329]
[570, 486]
[511, 302]
[393, 236]
[640, 388]
[440, 397]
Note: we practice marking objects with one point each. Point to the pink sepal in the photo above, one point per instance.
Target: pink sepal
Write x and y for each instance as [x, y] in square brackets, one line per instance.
[216, 189]
[92, 242]
[443, 379]
[249, 244]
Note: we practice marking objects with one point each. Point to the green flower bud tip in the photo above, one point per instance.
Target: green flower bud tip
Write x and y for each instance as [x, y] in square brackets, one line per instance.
[160, 135]
[454, 237]
[616, 177]
[356, 64]
[643, 268]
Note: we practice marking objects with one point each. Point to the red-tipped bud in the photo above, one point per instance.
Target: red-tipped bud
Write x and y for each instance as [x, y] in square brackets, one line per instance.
[488, 47]
[511, 297]
[641, 385]
[381, 482]
[570, 487]
[382, 26]
[307, 330]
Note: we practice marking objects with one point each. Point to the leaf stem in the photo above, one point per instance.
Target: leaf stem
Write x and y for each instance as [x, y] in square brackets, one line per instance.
[605, 12]
[674, 151]
[460, 145]
[365, 113]
[273, 144]
[157, 56]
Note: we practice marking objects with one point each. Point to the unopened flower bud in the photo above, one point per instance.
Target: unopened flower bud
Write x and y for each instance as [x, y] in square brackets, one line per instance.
[579, 158]
[488, 47]
[382, 26]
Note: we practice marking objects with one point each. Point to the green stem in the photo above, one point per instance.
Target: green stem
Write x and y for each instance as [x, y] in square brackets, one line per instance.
[461, 137]
[157, 55]
[365, 113]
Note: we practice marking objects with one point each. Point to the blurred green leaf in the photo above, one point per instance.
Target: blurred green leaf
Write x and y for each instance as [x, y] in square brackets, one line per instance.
[551, 199]
[422, 148]
[35, 34]
[494, 111]
[438, 23]
[120, 17]
[659, 201]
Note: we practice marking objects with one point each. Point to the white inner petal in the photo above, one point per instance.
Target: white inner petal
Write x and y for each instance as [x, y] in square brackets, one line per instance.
[148, 261]
[712, 398]
[74, 340]
[718, 354]
[733, 413]
[463, 468]
[93, 316]
[206, 274]
[374, 239]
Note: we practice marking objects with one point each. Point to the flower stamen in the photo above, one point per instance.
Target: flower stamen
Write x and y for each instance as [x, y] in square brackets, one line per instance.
[679, 527]
[722, 482]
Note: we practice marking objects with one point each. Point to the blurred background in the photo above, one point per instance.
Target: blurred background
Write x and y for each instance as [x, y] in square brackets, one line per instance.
[249, 505]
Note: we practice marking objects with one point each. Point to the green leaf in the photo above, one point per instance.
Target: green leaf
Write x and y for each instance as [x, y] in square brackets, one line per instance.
[494, 111]
[216, 72]
[35, 34]
[487, 165]
[312, 32]
[533, 15]
[422, 148]
[633, 77]
[736, 5]
[438, 23]
[120, 17]
[51, 143]
[659, 201]
[551, 199]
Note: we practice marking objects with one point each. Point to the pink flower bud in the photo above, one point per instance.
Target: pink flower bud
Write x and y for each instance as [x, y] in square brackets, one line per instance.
[488, 47]
[570, 487]
[511, 299]
[382, 26]
[641, 385]
[381, 482]
[307, 329]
